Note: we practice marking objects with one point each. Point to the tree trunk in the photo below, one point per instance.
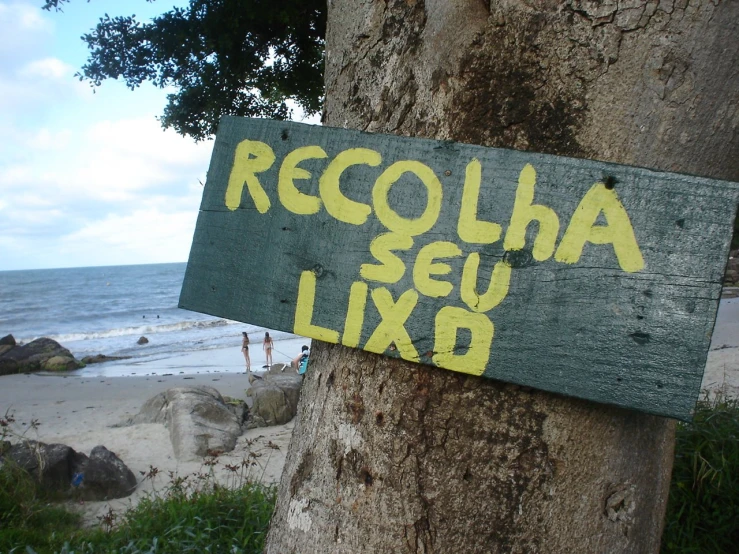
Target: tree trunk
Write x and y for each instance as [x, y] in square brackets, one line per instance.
[390, 456]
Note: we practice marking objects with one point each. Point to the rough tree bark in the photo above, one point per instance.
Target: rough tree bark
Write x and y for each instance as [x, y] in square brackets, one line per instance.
[389, 456]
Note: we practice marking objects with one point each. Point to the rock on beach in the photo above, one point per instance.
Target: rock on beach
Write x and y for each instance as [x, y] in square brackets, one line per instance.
[198, 420]
[275, 396]
[99, 476]
[42, 354]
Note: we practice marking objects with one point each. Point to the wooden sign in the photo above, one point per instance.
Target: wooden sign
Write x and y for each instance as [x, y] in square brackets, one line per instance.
[578, 277]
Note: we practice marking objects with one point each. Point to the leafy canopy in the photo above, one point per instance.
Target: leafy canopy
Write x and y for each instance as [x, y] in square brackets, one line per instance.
[237, 57]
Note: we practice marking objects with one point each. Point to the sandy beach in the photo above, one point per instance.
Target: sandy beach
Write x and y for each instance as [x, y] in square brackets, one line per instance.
[84, 410]
[722, 367]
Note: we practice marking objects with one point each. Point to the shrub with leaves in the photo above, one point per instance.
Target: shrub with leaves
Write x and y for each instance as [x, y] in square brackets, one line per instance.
[27, 516]
[703, 509]
[193, 513]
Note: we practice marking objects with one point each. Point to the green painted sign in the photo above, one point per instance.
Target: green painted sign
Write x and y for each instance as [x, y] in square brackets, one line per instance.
[583, 278]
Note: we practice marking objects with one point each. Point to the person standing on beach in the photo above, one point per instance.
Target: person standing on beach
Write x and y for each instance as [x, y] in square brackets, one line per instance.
[268, 345]
[245, 350]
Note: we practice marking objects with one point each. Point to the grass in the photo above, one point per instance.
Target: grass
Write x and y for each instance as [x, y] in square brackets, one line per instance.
[703, 508]
[185, 517]
[215, 519]
[26, 514]
[195, 514]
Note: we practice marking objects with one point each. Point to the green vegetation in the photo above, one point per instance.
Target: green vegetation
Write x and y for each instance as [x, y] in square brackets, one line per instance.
[225, 57]
[26, 517]
[193, 514]
[703, 509]
[216, 519]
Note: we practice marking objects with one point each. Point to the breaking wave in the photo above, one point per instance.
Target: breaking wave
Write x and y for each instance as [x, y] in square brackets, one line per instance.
[143, 330]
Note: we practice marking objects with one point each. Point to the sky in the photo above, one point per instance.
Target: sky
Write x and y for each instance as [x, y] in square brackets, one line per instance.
[87, 176]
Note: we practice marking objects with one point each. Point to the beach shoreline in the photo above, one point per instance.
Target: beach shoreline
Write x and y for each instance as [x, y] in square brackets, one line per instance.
[193, 362]
[87, 408]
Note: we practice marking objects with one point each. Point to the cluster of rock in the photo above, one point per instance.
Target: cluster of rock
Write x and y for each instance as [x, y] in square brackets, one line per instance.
[99, 476]
[200, 420]
[42, 354]
[274, 395]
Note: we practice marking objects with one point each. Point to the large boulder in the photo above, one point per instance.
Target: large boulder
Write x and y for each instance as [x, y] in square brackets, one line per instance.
[275, 397]
[198, 419]
[42, 354]
[51, 464]
[101, 476]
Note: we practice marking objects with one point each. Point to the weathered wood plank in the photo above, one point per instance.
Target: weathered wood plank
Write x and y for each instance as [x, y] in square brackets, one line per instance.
[612, 298]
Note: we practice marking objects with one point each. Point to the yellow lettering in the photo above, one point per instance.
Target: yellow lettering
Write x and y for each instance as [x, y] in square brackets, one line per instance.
[618, 231]
[524, 212]
[392, 268]
[424, 268]
[448, 321]
[355, 314]
[469, 228]
[391, 328]
[294, 200]
[500, 280]
[245, 169]
[390, 217]
[304, 311]
[338, 205]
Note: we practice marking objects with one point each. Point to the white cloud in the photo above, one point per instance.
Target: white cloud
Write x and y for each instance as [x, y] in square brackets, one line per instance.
[113, 192]
[144, 137]
[110, 161]
[120, 160]
[147, 235]
[22, 18]
[39, 85]
[21, 25]
[31, 78]
[143, 236]
[49, 139]
[47, 68]
[34, 200]
[85, 179]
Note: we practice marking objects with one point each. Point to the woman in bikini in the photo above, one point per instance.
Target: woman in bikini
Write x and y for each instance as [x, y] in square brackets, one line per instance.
[245, 350]
[268, 345]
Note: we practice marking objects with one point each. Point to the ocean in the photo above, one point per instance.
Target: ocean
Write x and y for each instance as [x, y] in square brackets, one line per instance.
[105, 310]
